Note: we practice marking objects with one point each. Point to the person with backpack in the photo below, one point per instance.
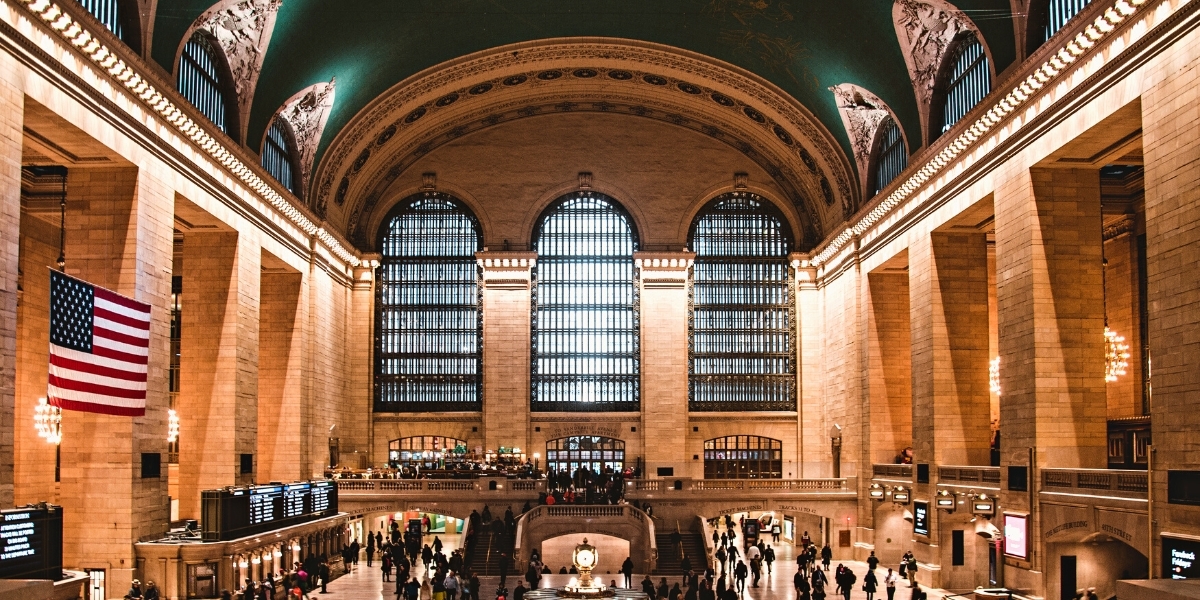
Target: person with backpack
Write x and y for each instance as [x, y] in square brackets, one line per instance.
[848, 578]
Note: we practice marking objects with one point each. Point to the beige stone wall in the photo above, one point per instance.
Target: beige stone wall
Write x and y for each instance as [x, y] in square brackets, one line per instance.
[35, 458]
[888, 416]
[280, 375]
[11, 113]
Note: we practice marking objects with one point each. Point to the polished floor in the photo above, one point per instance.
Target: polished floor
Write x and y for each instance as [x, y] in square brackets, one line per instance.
[367, 583]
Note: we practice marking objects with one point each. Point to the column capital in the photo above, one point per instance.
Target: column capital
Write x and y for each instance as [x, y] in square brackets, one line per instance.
[663, 269]
[506, 269]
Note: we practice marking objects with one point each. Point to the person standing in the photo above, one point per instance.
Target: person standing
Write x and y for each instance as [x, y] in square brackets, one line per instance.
[323, 571]
[826, 556]
[354, 548]
[370, 548]
[385, 565]
[803, 589]
[627, 571]
[805, 541]
[912, 570]
[870, 584]
[872, 561]
[451, 585]
[889, 584]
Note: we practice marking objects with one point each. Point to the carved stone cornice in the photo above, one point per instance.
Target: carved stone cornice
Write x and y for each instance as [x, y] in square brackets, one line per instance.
[506, 270]
[639, 79]
[242, 29]
[307, 111]
[925, 30]
[663, 270]
[862, 114]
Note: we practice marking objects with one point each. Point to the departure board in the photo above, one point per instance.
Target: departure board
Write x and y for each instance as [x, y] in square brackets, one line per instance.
[236, 512]
[31, 543]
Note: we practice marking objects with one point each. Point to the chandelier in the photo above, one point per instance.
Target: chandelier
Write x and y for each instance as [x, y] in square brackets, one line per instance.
[994, 375]
[48, 421]
[1116, 355]
[172, 426]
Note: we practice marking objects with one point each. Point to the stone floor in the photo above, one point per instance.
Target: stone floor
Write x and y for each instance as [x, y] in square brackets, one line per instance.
[366, 583]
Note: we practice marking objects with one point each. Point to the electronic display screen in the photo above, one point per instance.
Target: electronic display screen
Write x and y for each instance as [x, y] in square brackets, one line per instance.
[232, 513]
[31, 543]
[1016, 536]
[1179, 558]
[921, 518]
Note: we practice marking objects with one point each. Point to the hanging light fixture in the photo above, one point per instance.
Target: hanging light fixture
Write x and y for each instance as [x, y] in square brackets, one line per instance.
[48, 421]
[994, 375]
[172, 426]
[1116, 355]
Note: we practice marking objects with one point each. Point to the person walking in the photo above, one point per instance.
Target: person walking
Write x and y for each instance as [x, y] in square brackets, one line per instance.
[872, 561]
[889, 584]
[627, 571]
[451, 585]
[740, 572]
[803, 588]
[370, 548]
[846, 579]
[870, 584]
[769, 557]
[385, 565]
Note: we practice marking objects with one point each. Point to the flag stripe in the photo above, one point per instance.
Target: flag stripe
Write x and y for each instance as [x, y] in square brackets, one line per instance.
[63, 374]
[65, 394]
[116, 336]
[119, 356]
[116, 317]
[96, 359]
[95, 388]
[98, 408]
[64, 363]
[128, 349]
[129, 303]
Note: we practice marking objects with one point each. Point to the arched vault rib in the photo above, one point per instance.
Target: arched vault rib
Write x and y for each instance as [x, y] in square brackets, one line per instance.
[634, 78]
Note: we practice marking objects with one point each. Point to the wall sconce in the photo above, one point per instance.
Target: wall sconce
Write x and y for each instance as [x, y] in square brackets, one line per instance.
[48, 421]
[900, 495]
[172, 426]
[945, 501]
[876, 492]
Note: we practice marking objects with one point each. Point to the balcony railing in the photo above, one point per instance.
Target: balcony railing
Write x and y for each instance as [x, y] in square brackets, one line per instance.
[892, 471]
[1095, 482]
[981, 476]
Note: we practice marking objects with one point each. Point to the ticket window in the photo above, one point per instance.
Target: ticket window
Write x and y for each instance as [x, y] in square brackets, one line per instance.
[202, 580]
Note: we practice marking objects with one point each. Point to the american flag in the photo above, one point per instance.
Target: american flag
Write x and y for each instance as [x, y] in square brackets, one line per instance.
[99, 345]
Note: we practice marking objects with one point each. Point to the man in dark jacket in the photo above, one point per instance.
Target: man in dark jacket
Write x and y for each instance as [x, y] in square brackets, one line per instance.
[627, 571]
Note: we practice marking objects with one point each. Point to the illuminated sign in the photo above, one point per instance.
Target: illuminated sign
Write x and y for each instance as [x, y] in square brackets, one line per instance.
[921, 518]
[232, 513]
[983, 507]
[1016, 536]
[1179, 558]
[31, 543]
[900, 497]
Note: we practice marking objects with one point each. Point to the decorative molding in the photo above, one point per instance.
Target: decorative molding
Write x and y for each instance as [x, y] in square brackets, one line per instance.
[307, 111]
[741, 181]
[242, 28]
[1095, 39]
[92, 48]
[451, 100]
[925, 30]
[429, 181]
[1119, 228]
[862, 114]
[585, 181]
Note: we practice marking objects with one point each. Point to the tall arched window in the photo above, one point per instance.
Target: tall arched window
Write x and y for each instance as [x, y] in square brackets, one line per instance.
[585, 307]
[428, 321]
[199, 81]
[742, 348]
[968, 82]
[1058, 13]
[892, 158]
[278, 152]
[743, 457]
[590, 452]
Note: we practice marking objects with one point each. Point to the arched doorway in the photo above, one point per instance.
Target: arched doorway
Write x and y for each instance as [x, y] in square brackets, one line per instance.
[590, 452]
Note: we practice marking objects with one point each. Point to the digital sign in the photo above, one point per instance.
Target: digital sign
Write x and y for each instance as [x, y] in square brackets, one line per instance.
[1179, 558]
[232, 513]
[31, 543]
[1016, 536]
[921, 518]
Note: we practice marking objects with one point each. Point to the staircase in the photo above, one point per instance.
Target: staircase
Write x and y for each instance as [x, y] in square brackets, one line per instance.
[669, 558]
[485, 560]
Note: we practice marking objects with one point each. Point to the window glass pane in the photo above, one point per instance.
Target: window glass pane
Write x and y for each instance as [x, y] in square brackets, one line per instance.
[585, 322]
[198, 80]
[969, 82]
[427, 310]
[108, 12]
[276, 158]
[892, 158]
[747, 458]
[1058, 13]
[742, 351]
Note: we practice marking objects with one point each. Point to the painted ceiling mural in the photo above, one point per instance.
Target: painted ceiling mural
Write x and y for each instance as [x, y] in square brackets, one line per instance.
[801, 47]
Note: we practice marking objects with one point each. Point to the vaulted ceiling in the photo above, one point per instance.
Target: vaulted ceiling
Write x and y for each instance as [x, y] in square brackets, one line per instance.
[802, 47]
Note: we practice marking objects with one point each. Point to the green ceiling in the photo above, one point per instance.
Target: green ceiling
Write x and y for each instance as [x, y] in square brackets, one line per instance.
[803, 46]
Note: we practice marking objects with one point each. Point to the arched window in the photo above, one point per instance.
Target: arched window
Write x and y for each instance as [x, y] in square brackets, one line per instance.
[742, 348]
[590, 452]
[892, 158]
[743, 457]
[278, 152]
[585, 312]
[968, 82]
[1058, 13]
[428, 354]
[200, 81]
